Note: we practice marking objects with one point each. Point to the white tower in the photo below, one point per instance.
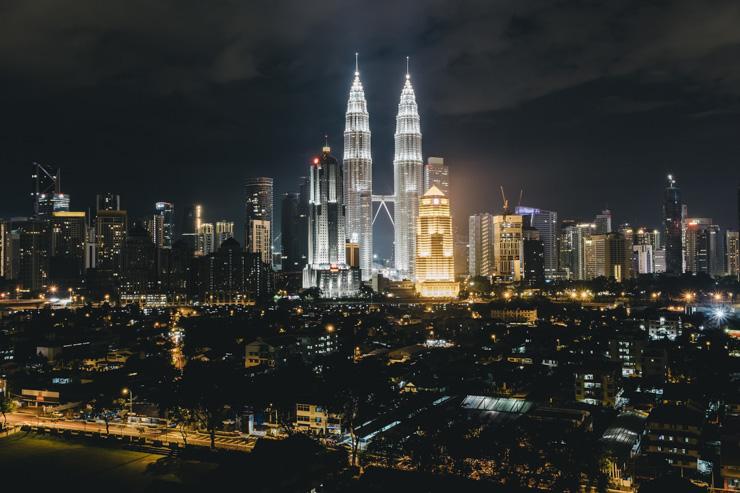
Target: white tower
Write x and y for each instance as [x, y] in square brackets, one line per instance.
[358, 174]
[408, 169]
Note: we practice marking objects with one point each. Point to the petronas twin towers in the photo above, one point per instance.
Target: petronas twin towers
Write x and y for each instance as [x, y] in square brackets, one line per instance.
[408, 175]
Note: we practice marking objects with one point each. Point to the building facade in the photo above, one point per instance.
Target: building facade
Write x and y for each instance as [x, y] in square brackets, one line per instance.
[437, 173]
[259, 207]
[327, 267]
[358, 175]
[480, 245]
[508, 247]
[408, 170]
[435, 264]
[546, 222]
[673, 228]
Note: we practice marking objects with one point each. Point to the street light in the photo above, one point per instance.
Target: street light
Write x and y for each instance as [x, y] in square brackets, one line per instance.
[126, 392]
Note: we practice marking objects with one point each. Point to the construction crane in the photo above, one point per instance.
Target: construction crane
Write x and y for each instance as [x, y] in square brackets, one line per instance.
[506, 202]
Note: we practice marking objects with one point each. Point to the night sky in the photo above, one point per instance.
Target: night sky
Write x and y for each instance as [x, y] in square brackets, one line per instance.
[583, 104]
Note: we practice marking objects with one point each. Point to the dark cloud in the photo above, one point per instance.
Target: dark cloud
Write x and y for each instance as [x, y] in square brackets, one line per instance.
[184, 99]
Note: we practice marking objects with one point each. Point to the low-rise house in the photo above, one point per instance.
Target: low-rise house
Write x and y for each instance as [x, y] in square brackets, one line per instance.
[317, 419]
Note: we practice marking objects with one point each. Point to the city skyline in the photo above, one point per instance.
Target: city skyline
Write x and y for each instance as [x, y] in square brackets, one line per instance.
[370, 246]
[496, 116]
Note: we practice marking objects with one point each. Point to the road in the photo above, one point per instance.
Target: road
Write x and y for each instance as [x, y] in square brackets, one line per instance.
[165, 436]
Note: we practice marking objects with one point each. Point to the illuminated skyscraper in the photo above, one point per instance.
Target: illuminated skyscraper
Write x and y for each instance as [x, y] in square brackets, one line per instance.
[603, 222]
[33, 253]
[111, 226]
[67, 247]
[732, 252]
[508, 248]
[294, 230]
[533, 256]
[358, 174]
[435, 264]
[575, 245]
[546, 223]
[206, 239]
[408, 171]
[108, 202]
[163, 225]
[437, 173]
[480, 245]
[327, 267]
[46, 185]
[672, 226]
[259, 202]
[224, 231]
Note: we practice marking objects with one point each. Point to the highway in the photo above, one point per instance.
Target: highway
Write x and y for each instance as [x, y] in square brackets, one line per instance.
[150, 435]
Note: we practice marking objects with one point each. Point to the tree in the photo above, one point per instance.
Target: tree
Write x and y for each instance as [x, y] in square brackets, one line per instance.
[105, 406]
[184, 420]
[208, 391]
[7, 405]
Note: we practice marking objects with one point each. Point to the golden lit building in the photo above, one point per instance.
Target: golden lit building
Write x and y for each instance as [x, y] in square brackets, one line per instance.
[435, 264]
[508, 246]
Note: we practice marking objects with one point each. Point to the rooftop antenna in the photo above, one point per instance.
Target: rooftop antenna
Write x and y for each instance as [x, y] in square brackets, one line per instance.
[326, 143]
[408, 76]
[357, 63]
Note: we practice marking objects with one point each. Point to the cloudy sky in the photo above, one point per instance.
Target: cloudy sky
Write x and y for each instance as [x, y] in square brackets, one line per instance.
[582, 104]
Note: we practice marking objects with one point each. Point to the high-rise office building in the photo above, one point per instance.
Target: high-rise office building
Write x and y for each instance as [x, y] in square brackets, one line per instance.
[139, 262]
[673, 228]
[461, 252]
[435, 263]
[603, 222]
[107, 202]
[49, 203]
[437, 173]
[575, 247]
[259, 207]
[732, 253]
[408, 169]
[717, 258]
[646, 236]
[643, 258]
[294, 232]
[192, 220]
[68, 230]
[546, 222]
[163, 225]
[612, 256]
[259, 236]
[111, 226]
[46, 186]
[659, 260]
[480, 245]
[206, 239]
[508, 249]
[327, 267]
[11, 233]
[33, 254]
[696, 247]
[533, 249]
[224, 231]
[358, 174]
[4, 234]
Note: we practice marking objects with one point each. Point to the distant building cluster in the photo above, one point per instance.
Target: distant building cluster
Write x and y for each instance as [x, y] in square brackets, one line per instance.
[325, 239]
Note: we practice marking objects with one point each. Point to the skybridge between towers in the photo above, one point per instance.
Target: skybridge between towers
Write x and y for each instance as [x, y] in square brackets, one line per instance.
[382, 200]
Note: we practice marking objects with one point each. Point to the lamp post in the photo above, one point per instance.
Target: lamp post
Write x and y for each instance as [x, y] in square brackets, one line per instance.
[127, 392]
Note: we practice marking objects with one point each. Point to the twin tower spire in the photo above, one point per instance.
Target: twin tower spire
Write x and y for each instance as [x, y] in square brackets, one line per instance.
[358, 176]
